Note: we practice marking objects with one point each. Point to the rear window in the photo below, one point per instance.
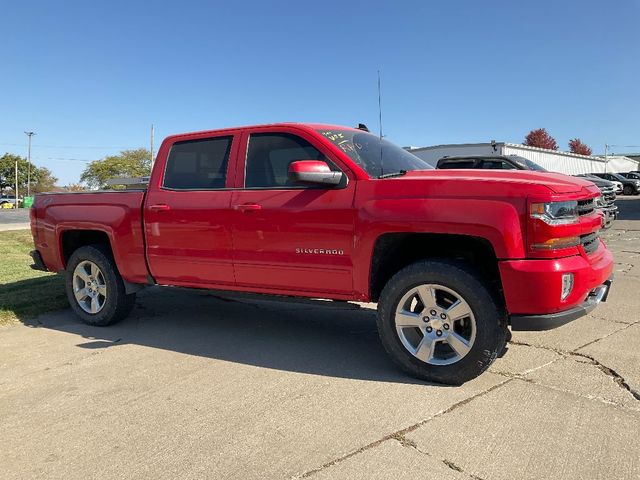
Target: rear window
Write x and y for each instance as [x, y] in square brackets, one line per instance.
[198, 164]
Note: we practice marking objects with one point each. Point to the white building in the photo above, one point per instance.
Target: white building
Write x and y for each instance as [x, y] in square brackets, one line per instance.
[552, 160]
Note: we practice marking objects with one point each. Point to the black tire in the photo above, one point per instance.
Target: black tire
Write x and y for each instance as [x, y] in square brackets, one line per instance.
[117, 304]
[628, 190]
[490, 320]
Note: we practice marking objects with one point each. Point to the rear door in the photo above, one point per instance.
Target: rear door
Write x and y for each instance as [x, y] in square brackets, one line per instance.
[187, 217]
[290, 237]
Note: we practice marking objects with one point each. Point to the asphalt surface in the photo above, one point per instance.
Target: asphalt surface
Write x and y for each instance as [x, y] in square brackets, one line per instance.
[200, 385]
[14, 219]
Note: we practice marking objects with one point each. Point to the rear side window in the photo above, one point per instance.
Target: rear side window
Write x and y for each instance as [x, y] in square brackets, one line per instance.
[269, 156]
[455, 164]
[198, 164]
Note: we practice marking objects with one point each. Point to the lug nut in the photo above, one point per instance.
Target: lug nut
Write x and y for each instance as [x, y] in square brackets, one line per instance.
[425, 319]
[443, 316]
[429, 329]
[439, 333]
[446, 326]
[433, 312]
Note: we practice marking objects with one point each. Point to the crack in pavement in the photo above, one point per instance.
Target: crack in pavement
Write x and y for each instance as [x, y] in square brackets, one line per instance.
[405, 442]
[399, 435]
[518, 376]
[617, 378]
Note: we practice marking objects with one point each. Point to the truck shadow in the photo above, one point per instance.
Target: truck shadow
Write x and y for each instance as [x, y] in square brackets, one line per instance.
[336, 339]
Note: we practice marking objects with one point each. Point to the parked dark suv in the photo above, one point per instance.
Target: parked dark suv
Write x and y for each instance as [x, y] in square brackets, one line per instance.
[607, 201]
[631, 175]
[489, 162]
[630, 186]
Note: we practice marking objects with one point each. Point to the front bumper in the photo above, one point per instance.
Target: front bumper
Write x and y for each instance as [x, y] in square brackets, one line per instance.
[533, 288]
[553, 320]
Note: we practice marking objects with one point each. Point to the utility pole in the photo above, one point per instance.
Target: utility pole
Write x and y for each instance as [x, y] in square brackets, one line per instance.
[29, 134]
[606, 150]
[16, 192]
[152, 132]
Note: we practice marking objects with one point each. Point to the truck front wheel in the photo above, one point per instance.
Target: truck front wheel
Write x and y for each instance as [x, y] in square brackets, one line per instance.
[95, 288]
[439, 322]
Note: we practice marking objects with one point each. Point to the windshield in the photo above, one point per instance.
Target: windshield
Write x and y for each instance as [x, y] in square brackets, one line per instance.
[534, 166]
[374, 156]
[618, 177]
[528, 164]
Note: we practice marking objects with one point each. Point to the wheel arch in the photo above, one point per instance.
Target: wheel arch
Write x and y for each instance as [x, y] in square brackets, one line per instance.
[394, 251]
[71, 240]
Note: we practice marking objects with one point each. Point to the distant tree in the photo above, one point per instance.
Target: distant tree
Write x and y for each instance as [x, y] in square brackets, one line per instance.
[576, 146]
[74, 187]
[8, 171]
[42, 180]
[129, 163]
[541, 139]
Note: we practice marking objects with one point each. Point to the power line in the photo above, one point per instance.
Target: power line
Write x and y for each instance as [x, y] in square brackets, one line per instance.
[72, 146]
[63, 159]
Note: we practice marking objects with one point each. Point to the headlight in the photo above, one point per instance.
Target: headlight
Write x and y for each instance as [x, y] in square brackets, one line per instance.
[556, 213]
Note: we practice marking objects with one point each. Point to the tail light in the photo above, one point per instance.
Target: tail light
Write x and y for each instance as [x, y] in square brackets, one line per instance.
[33, 222]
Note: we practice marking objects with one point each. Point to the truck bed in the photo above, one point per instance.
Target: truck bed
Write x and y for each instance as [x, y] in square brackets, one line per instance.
[115, 213]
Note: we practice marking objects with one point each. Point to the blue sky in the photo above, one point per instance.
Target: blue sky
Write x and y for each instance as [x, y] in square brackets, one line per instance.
[90, 77]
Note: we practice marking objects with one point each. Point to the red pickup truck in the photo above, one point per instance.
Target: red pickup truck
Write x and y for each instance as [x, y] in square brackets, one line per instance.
[453, 257]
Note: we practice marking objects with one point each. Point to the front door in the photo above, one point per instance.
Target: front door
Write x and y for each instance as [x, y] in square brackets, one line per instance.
[187, 219]
[290, 237]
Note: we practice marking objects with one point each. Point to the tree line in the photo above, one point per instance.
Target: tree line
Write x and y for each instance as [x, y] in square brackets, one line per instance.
[42, 180]
[540, 138]
[129, 163]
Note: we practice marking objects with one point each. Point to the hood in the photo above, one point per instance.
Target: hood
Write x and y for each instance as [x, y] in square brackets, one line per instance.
[600, 182]
[556, 182]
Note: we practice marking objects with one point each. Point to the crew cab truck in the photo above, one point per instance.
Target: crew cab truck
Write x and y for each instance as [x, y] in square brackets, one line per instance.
[452, 257]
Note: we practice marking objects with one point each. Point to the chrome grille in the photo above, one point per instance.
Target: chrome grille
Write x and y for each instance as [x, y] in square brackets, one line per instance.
[585, 207]
[590, 242]
[608, 195]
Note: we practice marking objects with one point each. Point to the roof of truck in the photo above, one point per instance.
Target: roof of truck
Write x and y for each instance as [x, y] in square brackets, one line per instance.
[305, 126]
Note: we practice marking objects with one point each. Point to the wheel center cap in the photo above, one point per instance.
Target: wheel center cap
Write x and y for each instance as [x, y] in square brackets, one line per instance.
[436, 323]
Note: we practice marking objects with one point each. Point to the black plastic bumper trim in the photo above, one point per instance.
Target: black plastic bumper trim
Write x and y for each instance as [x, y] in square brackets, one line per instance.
[38, 264]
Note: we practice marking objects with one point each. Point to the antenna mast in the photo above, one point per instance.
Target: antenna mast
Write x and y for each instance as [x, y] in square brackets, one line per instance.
[152, 152]
[379, 105]
[380, 122]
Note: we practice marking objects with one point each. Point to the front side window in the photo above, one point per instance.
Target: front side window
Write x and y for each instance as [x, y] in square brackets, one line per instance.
[616, 177]
[497, 165]
[198, 164]
[269, 156]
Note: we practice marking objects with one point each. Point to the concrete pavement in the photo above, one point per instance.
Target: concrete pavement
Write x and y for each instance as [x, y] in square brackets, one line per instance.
[200, 385]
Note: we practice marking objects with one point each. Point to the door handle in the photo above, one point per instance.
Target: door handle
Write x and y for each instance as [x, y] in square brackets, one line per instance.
[161, 207]
[248, 207]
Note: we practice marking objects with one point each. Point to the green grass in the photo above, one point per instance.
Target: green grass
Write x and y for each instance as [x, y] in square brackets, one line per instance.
[25, 293]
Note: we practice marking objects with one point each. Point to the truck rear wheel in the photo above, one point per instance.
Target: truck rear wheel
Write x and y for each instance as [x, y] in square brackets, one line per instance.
[95, 288]
[438, 322]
